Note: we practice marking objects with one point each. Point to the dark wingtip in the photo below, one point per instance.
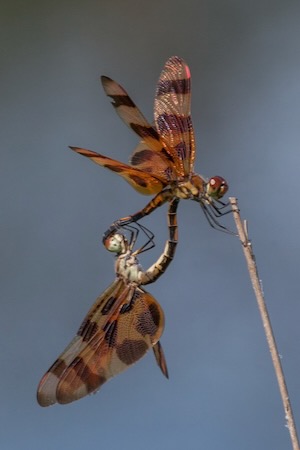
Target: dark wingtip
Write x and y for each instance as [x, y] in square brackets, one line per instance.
[75, 149]
[105, 80]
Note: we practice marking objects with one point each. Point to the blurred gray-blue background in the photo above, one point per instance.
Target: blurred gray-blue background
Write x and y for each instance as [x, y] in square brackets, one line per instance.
[245, 63]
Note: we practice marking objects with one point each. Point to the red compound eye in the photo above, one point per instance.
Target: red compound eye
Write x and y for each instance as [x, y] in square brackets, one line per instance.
[217, 187]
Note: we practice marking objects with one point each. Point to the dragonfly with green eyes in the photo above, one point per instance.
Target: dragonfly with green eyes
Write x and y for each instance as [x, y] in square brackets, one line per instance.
[122, 325]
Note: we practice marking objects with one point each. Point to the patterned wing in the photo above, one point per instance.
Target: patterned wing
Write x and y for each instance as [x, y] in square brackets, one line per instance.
[150, 155]
[142, 181]
[120, 332]
[172, 114]
[46, 393]
[158, 164]
[130, 113]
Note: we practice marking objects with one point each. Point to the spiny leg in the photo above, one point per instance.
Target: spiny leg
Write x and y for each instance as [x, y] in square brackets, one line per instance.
[149, 243]
[161, 198]
[218, 206]
[211, 216]
[134, 233]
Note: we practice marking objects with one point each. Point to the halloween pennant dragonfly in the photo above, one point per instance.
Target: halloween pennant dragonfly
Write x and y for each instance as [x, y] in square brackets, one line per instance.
[163, 162]
[122, 325]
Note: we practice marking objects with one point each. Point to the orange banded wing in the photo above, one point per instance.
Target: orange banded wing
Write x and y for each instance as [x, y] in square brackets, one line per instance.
[141, 181]
[159, 164]
[118, 339]
[150, 155]
[130, 113]
[172, 114]
[46, 393]
[124, 341]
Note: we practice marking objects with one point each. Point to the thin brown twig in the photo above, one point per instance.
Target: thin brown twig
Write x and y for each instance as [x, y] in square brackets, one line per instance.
[252, 268]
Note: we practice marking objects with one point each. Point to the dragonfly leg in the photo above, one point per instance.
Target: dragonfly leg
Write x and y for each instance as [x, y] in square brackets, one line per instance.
[161, 198]
[134, 233]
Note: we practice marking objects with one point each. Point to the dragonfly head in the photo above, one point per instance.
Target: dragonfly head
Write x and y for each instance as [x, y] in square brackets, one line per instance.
[116, 243]
[209, 198]
[216, 187]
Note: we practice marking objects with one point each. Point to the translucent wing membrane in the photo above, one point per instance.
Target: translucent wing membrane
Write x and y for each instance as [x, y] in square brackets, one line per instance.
[163, 161]
[141, 181]
[126, 321]
[156, 163]
[122, 341]
[47, 390]
[172, 114]
[123, 324]
[117, 332]
[150, 155]
[130, 113]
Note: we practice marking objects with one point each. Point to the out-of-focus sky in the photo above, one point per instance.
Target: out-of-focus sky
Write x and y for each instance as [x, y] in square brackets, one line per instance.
[245, 62]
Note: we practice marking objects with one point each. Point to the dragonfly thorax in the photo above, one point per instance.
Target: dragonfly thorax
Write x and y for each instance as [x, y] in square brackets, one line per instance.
[128, 268]
[193, 188]
[198, 189]
[186, 189]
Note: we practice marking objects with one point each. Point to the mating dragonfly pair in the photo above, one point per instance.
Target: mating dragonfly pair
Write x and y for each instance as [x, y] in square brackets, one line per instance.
[126, 321]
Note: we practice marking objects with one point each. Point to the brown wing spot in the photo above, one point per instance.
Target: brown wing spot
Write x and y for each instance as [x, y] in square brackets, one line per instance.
[58, 367]
[149, 321]
[168, 173]
[91, 380]
[113, 168]
[131, 350]
[126, 308]
[111, 332]
[94, 155]
[108, 305]
[173, 86]
[167, 155]
[140, 157]
[122, 100]
[144, 131]
[155, 313]
[136, 295]
[87, 330]
[138, 180]
[181, 150]
[172, 122]
[87, 153]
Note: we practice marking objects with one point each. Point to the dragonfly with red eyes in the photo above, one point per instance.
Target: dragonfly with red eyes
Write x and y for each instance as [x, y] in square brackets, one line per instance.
[163, 162]
[123, 324]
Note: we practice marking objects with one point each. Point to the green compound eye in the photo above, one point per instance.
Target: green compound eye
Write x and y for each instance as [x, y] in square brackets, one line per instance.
[115, 243]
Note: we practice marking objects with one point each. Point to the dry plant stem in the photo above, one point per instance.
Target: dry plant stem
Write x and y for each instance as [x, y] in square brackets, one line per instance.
[250, 258]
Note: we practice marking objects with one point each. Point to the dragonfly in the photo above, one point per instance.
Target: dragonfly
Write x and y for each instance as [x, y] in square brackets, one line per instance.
[163, 162]
[122, 325]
